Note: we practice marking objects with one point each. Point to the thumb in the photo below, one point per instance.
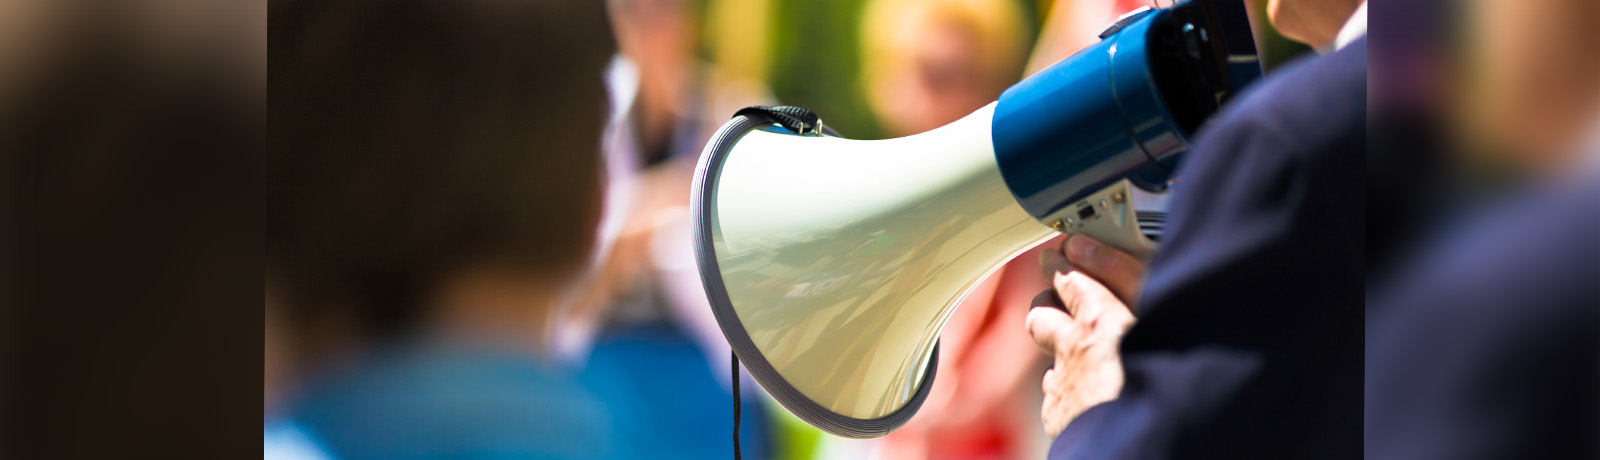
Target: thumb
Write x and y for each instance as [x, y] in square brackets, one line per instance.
[1119, 271]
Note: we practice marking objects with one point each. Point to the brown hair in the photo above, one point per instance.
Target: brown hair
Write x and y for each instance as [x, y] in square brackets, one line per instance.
[408, 138]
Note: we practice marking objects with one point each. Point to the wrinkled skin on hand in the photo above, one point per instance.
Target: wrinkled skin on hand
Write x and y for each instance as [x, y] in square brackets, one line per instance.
[1079, 322]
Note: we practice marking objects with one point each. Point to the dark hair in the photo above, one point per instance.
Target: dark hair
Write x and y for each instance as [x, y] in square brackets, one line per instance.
[410, 137]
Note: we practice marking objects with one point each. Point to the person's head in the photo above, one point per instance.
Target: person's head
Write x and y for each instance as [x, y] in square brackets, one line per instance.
[432, 160]
[1313, 22]
[928, 63]
[1530, 89]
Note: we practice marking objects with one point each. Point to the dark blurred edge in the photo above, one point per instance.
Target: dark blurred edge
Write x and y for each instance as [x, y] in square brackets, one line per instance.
[132, 236]
[1408, 40]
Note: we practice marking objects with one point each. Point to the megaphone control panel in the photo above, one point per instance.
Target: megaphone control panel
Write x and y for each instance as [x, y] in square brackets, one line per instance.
[1110, 217]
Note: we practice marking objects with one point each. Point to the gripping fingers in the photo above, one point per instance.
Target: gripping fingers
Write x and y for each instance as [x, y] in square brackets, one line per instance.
[1049, 327]
[1082, 296]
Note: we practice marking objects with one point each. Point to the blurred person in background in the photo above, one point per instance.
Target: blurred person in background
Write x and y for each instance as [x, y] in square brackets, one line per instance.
[130, 143]
[285, 439]
[1248, 341]
[433, 191]
[1486, 342]
[925, 64]
[640, 328]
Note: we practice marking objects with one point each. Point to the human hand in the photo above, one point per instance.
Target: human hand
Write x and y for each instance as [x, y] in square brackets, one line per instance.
[1119, 271]
[1081, 327]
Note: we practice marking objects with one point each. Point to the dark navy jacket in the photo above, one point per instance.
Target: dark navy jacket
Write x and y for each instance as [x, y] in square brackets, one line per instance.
[1488, 346]
[1249, 340]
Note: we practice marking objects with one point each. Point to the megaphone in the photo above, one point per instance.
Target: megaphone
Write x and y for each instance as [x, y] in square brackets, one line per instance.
[832, 264]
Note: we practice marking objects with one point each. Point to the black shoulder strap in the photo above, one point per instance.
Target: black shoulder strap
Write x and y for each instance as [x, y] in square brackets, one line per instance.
[736, 407]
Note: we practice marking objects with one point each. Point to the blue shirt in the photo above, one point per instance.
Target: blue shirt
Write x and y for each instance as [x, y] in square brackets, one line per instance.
[427, 401]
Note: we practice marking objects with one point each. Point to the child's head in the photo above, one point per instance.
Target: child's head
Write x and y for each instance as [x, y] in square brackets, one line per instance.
[429, 152]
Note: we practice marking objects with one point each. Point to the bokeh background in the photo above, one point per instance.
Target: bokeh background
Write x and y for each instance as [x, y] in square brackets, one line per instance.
[367, 357]
[808, 52]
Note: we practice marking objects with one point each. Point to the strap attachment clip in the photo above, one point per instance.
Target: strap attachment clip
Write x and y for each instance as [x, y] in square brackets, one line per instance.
[799, 120]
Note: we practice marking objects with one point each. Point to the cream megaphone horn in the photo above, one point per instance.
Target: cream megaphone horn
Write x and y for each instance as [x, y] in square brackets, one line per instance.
[832, 264]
